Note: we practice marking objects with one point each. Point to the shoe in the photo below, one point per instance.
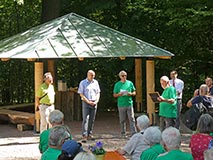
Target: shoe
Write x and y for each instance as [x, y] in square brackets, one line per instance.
[84, 140]
[90, 137]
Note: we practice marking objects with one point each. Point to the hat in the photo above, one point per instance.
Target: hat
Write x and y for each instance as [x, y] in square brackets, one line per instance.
[72, 148]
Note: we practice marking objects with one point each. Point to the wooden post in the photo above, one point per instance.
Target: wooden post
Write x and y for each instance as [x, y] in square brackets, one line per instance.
[138, 83]
[150, 85]
[38, 81]
[51, 68]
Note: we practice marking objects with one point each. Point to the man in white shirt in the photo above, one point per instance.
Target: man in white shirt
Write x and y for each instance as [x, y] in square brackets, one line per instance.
[179, 85]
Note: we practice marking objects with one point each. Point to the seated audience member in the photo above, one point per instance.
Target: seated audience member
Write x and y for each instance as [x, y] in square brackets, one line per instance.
[58, 135]
[69, 150]
[202, 97]
[136, 145]
[209, 83]
[85, 156]
[171, 139]
[152, 136]
[56, 118]
[200, 140]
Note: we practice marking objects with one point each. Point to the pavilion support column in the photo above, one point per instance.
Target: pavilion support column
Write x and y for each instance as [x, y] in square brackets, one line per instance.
[38, 68]
[150, 85]
[138, 83]
[51, 68]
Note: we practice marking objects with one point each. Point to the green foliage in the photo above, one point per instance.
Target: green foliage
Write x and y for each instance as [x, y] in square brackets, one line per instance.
[182, 27]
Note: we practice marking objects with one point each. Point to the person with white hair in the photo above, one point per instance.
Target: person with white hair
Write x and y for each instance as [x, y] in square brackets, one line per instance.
[124, 90]
[171, 139]
[168, 104]
[203, 98]
[58, 135]
[136, 144]
[45, 99]
[152, 136]
[89, 91]
[56, 118]
[209, 83]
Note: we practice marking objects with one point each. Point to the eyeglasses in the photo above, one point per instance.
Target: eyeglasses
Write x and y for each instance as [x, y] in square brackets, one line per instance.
[123, 75]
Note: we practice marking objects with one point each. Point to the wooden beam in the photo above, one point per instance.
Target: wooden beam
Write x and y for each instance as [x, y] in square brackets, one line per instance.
[16, 106]
[17, 117]
[150, 87]
[138, 83]
[38, 69]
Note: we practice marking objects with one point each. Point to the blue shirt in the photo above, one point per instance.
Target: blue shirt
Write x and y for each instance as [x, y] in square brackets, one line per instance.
[89, 89]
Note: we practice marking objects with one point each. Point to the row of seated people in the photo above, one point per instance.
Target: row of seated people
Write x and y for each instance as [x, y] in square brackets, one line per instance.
[149, 144]
[152, 144]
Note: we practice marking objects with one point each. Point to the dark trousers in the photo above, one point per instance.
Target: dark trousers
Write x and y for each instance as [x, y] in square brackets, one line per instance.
[179, 107]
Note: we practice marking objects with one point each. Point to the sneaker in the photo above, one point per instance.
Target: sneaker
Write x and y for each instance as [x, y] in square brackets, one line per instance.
[124, 136]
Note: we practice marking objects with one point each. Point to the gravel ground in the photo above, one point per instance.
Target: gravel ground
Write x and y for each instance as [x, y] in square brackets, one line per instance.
[17, 145]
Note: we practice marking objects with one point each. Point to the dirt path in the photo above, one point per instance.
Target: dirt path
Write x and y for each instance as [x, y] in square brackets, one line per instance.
[17, 145]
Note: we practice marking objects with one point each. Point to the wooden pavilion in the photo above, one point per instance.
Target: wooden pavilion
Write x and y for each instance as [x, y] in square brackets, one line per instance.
[74, 36]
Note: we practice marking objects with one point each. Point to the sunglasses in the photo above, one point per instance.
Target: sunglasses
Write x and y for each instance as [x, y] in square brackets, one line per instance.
[123, 75]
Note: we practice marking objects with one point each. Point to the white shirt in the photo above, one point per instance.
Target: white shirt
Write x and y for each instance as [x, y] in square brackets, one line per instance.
[179, 85]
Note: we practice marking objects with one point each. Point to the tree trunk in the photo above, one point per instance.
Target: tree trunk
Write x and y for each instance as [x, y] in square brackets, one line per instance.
[50, 10]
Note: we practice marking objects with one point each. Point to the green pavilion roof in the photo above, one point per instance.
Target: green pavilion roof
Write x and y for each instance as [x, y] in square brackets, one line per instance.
[73, 36]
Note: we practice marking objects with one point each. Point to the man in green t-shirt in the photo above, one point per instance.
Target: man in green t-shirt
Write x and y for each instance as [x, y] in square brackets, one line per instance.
[168, 104]
[123, 91]
[171, 141]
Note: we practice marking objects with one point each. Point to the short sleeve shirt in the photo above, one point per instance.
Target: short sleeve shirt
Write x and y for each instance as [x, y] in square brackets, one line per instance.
[198, 144]
[135, 146]
[152, 152]
[207, 101]
[49, 89]
[89, 89]
[51, 154]
[175, 155]
[125, 100]
[168, 110]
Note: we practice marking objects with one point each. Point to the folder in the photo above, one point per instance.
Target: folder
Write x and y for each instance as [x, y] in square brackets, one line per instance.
[154, 96]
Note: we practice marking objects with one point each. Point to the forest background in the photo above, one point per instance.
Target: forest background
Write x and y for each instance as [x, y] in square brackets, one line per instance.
[182, 27]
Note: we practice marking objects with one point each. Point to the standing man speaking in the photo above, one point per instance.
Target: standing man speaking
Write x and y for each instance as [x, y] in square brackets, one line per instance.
[123, 91]
[89, 91]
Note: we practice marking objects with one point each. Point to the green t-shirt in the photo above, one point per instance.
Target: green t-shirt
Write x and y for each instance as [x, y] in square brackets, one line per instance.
[43, 143]
[51, 154]
[49, 89]
[175, 155]
[125, 100]
[152, 152]
[168, 110]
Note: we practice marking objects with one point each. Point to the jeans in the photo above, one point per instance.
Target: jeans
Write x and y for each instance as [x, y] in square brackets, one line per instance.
[88, 115]
[129, 111]
[166, 122]
[44, 111]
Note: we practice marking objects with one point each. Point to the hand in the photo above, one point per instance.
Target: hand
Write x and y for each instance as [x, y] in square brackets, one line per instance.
[92, 103]
[161, 99]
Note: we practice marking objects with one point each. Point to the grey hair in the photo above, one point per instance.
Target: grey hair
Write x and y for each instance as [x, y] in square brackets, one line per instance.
[142, 122]
[58, 135]
[56, 116]
[164, 78]
[205, 124]
[152, 135]
[84, 156]
[204, 89]
[122, 72]
[171, 138]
